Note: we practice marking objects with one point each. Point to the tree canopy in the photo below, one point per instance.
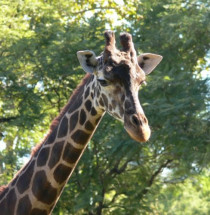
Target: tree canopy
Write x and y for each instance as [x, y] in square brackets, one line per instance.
[116, 175]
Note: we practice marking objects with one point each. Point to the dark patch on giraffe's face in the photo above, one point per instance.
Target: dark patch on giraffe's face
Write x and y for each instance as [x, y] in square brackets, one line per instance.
[123, 98]
[82, 117]
[63, 129]
[24, 180]
[80, 137]
[24, 206]
[7, 206]
[52, 136]
[62, 173]
[55, 154]
[73, 120]
[42, 189]
[129, 107]
[37, 211]
[89, 126]
[71, 154]
[119, 73]
[87, 92]
[88, 105]
[43, 157]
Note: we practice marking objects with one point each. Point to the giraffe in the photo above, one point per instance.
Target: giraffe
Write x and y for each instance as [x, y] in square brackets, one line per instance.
[110, 85]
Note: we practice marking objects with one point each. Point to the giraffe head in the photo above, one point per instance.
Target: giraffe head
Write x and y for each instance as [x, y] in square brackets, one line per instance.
[118, 76]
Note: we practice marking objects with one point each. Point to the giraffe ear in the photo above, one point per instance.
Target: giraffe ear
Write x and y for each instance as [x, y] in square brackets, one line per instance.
[87, 60]
[149, 61]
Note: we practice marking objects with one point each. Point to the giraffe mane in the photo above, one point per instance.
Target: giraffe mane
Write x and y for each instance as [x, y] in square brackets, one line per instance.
[69, 105]
[2, 189]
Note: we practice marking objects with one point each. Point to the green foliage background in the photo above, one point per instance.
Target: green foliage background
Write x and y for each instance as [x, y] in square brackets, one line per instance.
[39, 70]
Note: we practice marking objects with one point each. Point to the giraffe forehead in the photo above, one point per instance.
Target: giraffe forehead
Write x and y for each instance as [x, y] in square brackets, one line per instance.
[124, 72]
[120, 67]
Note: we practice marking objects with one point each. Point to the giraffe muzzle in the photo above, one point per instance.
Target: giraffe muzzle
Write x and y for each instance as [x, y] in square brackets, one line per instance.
[137, 127]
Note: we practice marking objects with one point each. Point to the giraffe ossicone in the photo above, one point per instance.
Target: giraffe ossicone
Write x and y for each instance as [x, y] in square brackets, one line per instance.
[111, 85]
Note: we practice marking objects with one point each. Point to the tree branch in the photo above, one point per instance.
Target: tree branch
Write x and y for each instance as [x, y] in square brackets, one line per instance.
[118, 170]
[156, 173]
[95, 8]
[8, 119]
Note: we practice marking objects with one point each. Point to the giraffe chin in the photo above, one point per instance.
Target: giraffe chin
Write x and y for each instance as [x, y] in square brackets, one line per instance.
[142, 134]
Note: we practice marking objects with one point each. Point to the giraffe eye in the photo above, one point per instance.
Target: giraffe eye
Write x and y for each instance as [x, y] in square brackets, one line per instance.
[103, 82]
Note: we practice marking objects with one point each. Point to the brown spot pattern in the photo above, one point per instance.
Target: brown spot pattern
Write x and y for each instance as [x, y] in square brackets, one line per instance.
[88, 105]
[55, 154]
[25, 179]
[61, 173]
[43, 157]
[52, 136]
[80, 137]
[101, 102]
[24, 206]
[93, 111]
[73, 120]
[71, 154]
[87, 92]
[82, 118]
[42, 189]
[89, 126]
[75, 100]
[105, 100]
[7, 206]
[63, 127]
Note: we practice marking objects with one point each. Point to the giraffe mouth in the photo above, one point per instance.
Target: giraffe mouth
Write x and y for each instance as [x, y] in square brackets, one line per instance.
[140, 135]
[138, 130]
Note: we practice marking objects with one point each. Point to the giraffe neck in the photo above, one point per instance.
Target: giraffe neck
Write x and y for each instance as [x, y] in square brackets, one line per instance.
[37, 187]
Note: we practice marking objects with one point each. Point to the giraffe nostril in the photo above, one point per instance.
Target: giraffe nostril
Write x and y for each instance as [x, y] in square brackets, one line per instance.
[135, 120]
[145, 120]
